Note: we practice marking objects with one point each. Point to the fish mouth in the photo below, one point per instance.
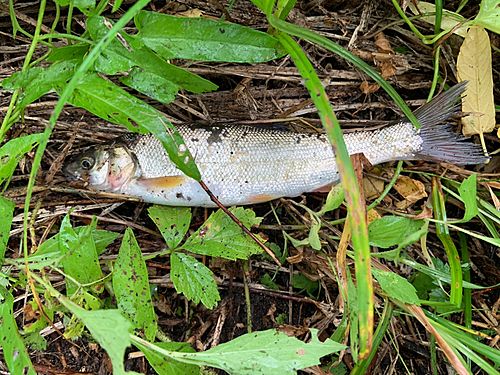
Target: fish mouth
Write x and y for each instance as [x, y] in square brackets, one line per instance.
[70, 171]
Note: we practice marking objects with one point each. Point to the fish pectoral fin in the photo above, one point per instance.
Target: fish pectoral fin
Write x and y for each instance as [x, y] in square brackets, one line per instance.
[261, 198]
[162, 182]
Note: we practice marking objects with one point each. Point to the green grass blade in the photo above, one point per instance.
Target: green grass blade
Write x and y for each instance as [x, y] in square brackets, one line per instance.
[355, 204]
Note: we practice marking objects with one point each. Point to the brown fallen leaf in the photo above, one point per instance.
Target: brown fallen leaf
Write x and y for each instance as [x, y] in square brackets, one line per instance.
[474, 65]
[372, 215]
[372, 187]
[411, 190]
[368, 88]
[383, 44]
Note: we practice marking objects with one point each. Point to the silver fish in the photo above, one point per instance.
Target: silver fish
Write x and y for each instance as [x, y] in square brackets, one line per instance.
[246, 165]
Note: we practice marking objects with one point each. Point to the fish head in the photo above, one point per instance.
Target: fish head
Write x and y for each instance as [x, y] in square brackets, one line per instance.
[106, 168]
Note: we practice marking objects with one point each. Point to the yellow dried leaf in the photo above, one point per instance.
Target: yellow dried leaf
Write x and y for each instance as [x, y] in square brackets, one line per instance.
[372, 187]
[411, 190]
[372, 215]
[474, 65]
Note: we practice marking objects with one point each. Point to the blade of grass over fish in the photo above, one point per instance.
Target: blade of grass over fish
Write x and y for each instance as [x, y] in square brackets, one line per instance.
[443, 234]
[464, 250]
[6, 215]
[79, 73]
[355, 204]
[314, 38]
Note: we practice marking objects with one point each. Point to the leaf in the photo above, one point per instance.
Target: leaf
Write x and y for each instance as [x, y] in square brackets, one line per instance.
[80, 259]
[449, 19]
[129, 53]
[392, 230]
[411, 190]
[151, 85]
[85, 6]
[6, 215]
[70, 52]
[36, 82]
[173, 223]
[396, 287]
[115, 105]
[221, 237]
[267, 352]
[12, 152]
[204, 39]
[168, 366]
[334, 199]
[468, 190]
[14, 353]
[193, 279]
[131, 286]
[474, 66]
[489, 15]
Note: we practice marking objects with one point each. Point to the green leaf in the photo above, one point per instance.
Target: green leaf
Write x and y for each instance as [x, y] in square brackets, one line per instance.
[396, 287]
[71, 52]
[15, 354]
[6, 215]
[80, 259]
[85, 6]
[173, 223]
[131, 286]
[110, 102]
[267, 352]
[12, 152]
[489, 15]
[393, 230]
[36, 82]
[299, 281]
[468, 192]
[334, 199]
[194, 280]
[204, 39]
[168, 366]
[221, 237]
[151, 70]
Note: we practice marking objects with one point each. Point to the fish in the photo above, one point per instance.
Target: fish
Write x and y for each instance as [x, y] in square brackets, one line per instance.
[244, 165]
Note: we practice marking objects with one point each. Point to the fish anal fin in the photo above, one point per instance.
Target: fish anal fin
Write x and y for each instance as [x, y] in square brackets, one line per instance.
[261, 198]
[165, 182]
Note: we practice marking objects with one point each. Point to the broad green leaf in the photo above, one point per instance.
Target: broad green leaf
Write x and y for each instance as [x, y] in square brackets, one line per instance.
[131, 286]
[267, 352]
[489, 15]
[110, 329]
[393, 230]
[168, 366]
[12, 152]
[221, 237]
[467, 190]
[474, 64]
[334, 199]
[450, 20]
[204, 39]
[193, 279]
[110, 102]
[71, 52]
[6, 215]
[80, 259]
[396, 287]
[14, 353]
[299, 281]
[173, 223]
[151, 70]
[84, 5]
[36, 82]
[313, 237]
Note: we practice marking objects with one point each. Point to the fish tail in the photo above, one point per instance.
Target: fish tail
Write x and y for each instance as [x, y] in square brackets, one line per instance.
[439, 141]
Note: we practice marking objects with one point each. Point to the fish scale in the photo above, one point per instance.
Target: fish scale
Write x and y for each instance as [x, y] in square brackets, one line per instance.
[246, 164]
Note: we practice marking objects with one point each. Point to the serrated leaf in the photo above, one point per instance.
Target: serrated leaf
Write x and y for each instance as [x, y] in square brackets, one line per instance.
[173, 222]
[110, 102]
[267, 352]
[150, 68]
[393, 230]
[193, 279]
[12, 152]
[6, 215]
[80, 259]
[168, 366]
[489, 15]
[467, 191]
[131, 286]
[396, 287]
[449, 19]
[221, 237]
[474, 66]
[15, 354]
[204, 39]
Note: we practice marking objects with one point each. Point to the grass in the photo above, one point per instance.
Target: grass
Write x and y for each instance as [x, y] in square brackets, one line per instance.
[76, 72]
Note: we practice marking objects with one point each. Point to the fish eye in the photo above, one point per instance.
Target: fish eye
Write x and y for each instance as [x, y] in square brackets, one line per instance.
[87, 163]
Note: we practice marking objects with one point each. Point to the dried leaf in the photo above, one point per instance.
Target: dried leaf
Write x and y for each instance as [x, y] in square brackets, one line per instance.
[368, 88]
[411, 190]
[372, 187]
[372, 215]
[382, 43]
[474, 65]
